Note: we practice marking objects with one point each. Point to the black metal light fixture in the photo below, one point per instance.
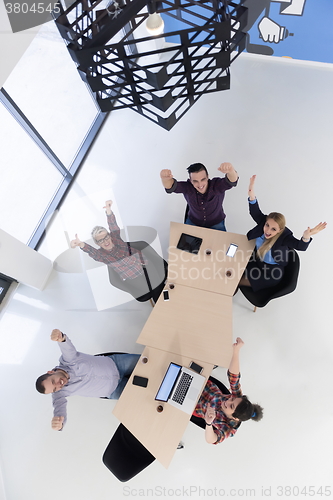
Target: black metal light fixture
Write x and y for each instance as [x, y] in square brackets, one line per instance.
[154, 57]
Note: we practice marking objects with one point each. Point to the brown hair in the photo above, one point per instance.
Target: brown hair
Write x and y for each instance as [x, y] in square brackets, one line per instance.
[39, 382]
[245, 410]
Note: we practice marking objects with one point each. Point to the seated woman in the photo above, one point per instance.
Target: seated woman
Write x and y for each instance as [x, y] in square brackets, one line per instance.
[273, 241]
[223, 413]
[135, 268]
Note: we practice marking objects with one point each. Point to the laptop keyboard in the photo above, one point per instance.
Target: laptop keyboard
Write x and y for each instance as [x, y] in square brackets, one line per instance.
[182, 388]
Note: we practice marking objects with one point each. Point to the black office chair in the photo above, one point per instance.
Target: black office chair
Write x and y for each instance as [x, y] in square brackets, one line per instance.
[187, 209]
[287, 284]
[200, 421]
[125, 456]
[155, 261]
[109, 353]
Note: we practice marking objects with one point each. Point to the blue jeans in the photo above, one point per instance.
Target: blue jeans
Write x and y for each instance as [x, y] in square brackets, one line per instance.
[220, 226]
[125, 364]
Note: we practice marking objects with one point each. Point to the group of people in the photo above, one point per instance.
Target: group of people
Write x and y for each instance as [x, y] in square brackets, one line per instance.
[205, 197]
[106, 376]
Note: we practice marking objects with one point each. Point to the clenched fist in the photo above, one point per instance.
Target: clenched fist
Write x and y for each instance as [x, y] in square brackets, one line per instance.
[167, 179]
[166, 174]
[57, 335]
[57, 422]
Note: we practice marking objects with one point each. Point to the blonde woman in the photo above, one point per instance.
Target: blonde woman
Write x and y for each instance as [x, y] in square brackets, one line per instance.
[273, 241]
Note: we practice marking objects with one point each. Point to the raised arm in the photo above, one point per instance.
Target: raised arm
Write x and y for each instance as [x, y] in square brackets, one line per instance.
[254, 208]
[57, 423]
[112, 223]
[59, 404]
[59, 411]
[108, 205]
[308, 233]
[68, 350]
[251, 194]
[228, 169]
[167, 178]
[234, 363]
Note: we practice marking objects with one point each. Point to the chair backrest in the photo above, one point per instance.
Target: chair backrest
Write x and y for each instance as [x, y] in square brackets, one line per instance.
[155, 259]
[187, 209]
[125, 456]
[109, 353]
[290, 276]
[287, 284]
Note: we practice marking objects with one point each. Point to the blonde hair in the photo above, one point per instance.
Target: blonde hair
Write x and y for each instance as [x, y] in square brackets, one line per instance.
[267, 245]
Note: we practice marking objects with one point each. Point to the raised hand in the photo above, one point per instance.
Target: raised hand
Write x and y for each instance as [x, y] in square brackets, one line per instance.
[108, 205]
[77, 242]
[251, 194]
[167, 178]
[57, 423]
[166, 174]
[238, 344]
[311, 232]
[57, 335]
[226, 168]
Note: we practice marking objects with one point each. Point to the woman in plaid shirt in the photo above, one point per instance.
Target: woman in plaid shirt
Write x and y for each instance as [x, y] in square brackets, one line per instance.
[223, 413]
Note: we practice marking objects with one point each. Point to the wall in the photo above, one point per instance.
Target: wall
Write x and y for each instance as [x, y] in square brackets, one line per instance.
[22, 263]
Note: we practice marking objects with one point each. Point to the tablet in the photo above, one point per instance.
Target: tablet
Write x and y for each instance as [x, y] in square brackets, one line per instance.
[189, 243]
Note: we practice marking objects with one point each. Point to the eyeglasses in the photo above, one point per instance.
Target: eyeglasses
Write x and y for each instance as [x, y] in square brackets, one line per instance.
[103, 240]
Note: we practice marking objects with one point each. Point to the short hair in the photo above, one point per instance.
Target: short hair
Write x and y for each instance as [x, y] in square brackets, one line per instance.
[97, 230]
[196, 167]
[39, 382]
[245, 410]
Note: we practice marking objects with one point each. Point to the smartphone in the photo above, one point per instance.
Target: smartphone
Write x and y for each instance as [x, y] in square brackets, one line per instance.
[195, 367]
[166, 294]
[140, 381]
[232, 250]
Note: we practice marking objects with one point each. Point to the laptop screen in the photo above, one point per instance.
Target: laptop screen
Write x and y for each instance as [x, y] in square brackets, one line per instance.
[168, 382]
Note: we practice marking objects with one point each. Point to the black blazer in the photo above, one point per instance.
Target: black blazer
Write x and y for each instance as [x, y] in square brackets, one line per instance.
[286, 240]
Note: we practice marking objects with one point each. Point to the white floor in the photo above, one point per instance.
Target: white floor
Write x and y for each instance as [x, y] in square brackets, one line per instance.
[276, 121]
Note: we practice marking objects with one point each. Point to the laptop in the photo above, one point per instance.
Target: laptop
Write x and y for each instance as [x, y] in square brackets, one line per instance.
[181, 388]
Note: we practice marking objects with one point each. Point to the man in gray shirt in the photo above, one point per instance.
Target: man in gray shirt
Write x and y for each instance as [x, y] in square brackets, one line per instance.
[83, 375]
